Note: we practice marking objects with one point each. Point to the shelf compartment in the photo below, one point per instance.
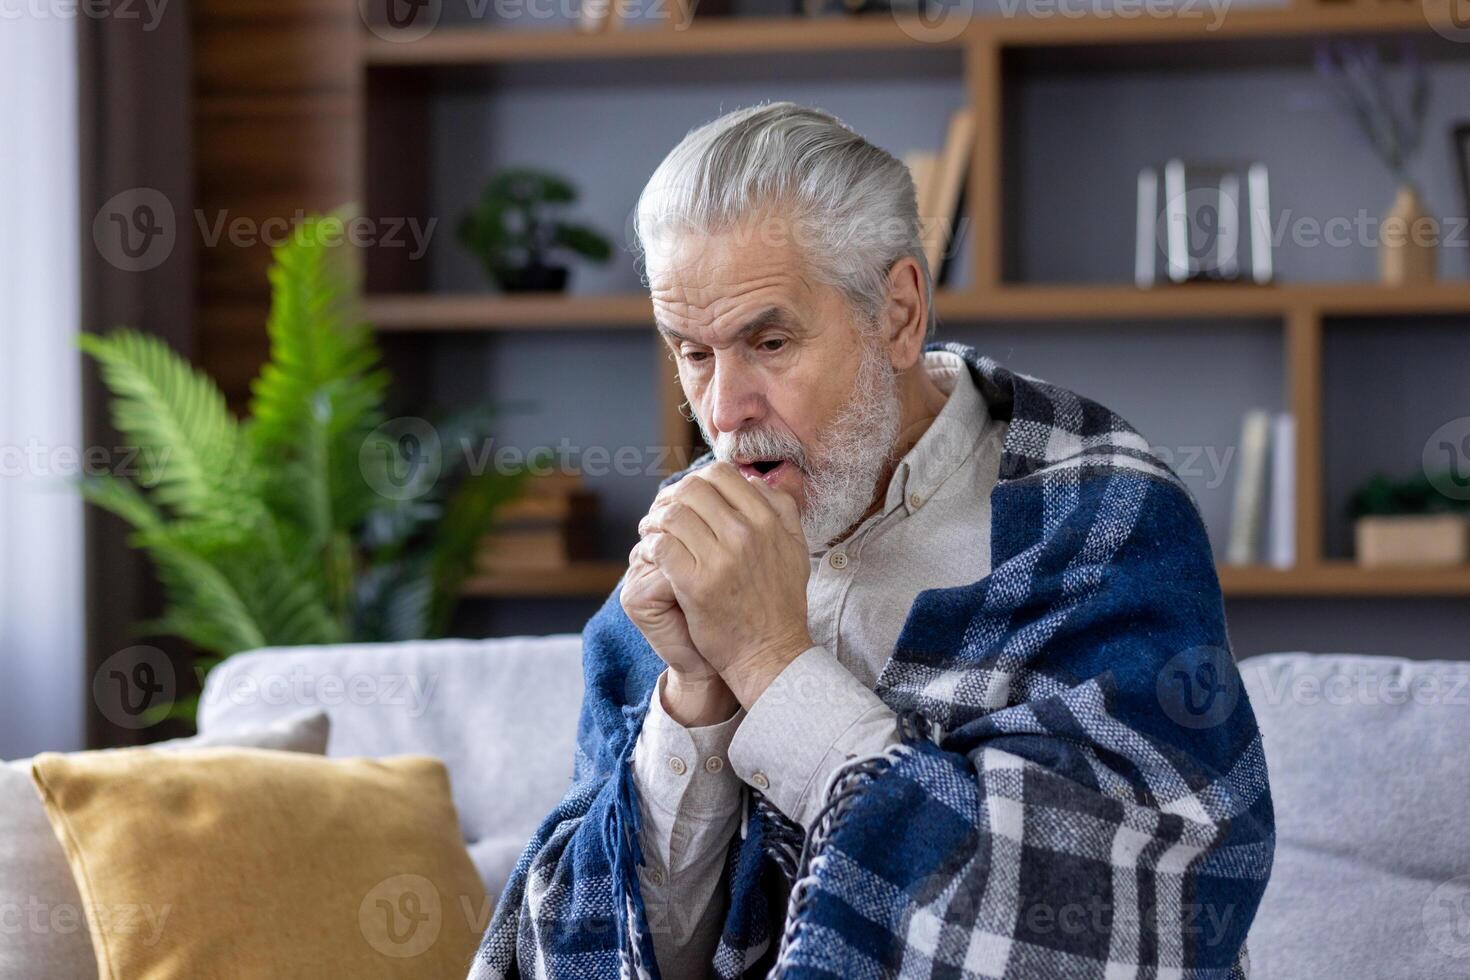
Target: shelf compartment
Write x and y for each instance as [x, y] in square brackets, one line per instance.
[1334, 579]
[1343, 579]
[578, 579]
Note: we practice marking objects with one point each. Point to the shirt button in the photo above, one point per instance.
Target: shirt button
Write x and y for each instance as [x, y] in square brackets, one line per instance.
[714, 764]
[656, 876]
[915, 500]
[759, 781]
[676, 765]
[838, 559]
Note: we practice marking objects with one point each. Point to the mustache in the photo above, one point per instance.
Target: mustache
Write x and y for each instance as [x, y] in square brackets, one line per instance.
[763, 443]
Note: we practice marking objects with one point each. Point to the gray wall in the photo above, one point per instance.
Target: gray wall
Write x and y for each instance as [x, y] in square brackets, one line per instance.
[1078, 142]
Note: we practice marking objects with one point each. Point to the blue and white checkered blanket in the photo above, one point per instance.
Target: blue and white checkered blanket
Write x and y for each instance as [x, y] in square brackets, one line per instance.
[1081, 791]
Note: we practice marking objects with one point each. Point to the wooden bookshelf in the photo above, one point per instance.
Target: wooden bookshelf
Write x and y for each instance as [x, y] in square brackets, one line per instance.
[593, 579]
[580, 579]
[1343, 579]
[364, 124]
[493, 312]
[472, 45]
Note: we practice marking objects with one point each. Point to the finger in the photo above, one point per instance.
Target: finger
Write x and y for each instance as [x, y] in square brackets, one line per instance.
[782, 503]
[672, 557]
[680, 517]
[728, 524]
[737, 490]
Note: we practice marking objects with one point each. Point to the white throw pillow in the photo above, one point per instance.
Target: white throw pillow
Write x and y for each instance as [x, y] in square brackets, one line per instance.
[43, 926]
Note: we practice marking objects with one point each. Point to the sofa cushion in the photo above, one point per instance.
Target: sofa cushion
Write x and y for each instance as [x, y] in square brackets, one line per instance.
[257, 863]
[43, 928]
[501, 714]
[1369, 758]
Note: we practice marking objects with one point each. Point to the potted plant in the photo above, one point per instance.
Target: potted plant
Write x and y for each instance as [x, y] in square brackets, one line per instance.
[514, 233]
[1409, 522]
[315, 519]
[1392, 122]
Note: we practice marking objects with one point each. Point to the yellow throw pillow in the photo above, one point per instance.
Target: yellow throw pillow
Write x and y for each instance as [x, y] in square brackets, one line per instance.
[248, 863]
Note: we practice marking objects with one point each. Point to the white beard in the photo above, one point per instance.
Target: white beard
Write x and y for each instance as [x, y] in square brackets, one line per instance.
[842, 473]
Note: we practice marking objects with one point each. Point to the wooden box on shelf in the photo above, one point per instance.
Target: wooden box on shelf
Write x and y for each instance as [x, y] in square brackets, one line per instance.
[1427, 540]
[548, 527]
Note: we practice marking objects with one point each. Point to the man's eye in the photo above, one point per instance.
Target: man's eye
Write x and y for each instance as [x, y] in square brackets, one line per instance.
[773, 344]
[696, 356]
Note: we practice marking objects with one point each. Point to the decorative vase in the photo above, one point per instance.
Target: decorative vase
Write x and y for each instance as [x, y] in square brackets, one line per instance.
[1407, 241]
[1427, 540]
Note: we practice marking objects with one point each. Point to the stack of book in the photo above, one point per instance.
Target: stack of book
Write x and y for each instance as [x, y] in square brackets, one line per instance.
[550, 526]
[939, 185]
[1265, 492]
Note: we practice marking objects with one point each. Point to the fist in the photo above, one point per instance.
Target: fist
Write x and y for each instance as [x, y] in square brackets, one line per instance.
[733, 551]
[648, 599]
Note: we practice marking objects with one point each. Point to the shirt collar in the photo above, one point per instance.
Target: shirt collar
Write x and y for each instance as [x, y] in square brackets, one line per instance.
[950, 439]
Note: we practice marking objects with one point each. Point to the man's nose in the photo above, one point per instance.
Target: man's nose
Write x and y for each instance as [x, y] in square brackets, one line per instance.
[737, 399]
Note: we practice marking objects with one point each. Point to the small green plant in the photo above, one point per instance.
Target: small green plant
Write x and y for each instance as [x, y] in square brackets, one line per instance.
[514, 235]
[315, 520]
[1380, 496]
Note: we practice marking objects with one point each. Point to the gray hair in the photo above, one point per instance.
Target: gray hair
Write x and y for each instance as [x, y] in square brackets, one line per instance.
[848, 205]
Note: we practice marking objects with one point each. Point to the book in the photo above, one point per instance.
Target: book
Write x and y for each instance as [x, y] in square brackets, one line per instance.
[949, 180]
[922, 166]
[1281, 527]
[551, 524]
[1245, 515]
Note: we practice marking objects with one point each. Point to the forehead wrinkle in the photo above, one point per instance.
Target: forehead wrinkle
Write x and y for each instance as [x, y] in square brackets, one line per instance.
[773, 315]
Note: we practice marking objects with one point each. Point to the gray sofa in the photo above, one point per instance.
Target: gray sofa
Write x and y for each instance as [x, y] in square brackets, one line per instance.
[1369, 760]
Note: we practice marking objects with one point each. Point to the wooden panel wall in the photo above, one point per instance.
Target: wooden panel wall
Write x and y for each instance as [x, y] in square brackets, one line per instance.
[276, 109]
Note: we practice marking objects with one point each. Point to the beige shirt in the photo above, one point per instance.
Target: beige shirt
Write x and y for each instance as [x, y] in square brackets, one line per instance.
[932, 531]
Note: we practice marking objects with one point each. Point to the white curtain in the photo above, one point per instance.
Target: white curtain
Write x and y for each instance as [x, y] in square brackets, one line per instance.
[43, 684]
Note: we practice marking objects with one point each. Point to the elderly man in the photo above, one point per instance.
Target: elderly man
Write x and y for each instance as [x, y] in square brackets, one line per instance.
[921, 672]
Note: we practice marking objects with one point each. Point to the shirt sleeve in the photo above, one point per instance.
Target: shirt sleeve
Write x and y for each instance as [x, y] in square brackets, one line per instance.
[689, 801]
[813, 717]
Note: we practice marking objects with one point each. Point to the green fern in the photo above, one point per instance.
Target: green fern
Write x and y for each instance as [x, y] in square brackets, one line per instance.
[271, 532]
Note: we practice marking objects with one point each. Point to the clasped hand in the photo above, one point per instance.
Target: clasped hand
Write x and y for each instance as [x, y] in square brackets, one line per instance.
[717, 581]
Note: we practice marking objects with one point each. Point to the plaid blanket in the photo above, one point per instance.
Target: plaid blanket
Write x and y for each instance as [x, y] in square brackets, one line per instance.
[1080, 791]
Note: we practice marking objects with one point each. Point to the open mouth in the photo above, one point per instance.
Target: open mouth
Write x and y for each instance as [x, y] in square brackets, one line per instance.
[767, 469]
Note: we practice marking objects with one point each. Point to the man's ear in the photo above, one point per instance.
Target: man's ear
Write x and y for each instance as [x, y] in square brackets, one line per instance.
[906, 315]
